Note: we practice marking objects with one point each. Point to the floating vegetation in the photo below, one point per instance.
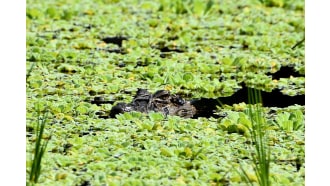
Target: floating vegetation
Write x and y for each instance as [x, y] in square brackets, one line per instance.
[84, 58]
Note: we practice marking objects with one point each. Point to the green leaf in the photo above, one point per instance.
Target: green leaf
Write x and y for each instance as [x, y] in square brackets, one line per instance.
[188, 77]
[82, 109]
[156, 116]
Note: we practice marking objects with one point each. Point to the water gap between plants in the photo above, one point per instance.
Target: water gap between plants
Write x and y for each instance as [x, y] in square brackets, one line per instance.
[275, 98]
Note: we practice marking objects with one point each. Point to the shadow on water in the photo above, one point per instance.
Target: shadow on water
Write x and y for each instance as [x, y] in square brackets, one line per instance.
[285, 72]
[206, 107]
[275, 98]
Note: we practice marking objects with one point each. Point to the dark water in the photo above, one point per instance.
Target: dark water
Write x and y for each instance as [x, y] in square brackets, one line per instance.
[275, 98]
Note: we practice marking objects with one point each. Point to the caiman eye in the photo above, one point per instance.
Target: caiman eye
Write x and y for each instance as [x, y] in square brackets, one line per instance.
[178, 100]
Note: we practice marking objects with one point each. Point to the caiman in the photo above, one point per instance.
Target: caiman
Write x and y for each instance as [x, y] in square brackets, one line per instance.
[161, 101]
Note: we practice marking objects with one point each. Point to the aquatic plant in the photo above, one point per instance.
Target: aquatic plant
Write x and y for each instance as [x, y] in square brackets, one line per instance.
[39, 148]
[193, 7]
[261, 150]
[290, 121]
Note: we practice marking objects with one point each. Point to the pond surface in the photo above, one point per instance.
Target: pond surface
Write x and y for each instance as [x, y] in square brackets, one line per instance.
[83, 58]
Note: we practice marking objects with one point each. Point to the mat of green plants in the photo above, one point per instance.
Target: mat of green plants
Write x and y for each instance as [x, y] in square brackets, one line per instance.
[76, 50]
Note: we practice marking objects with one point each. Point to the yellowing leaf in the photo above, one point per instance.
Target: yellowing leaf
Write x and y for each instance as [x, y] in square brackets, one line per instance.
[166, 152]
[188, 152]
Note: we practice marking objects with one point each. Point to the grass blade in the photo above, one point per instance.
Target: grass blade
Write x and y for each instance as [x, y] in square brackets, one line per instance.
[29, 72]
[261, 151]
[39, 149]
